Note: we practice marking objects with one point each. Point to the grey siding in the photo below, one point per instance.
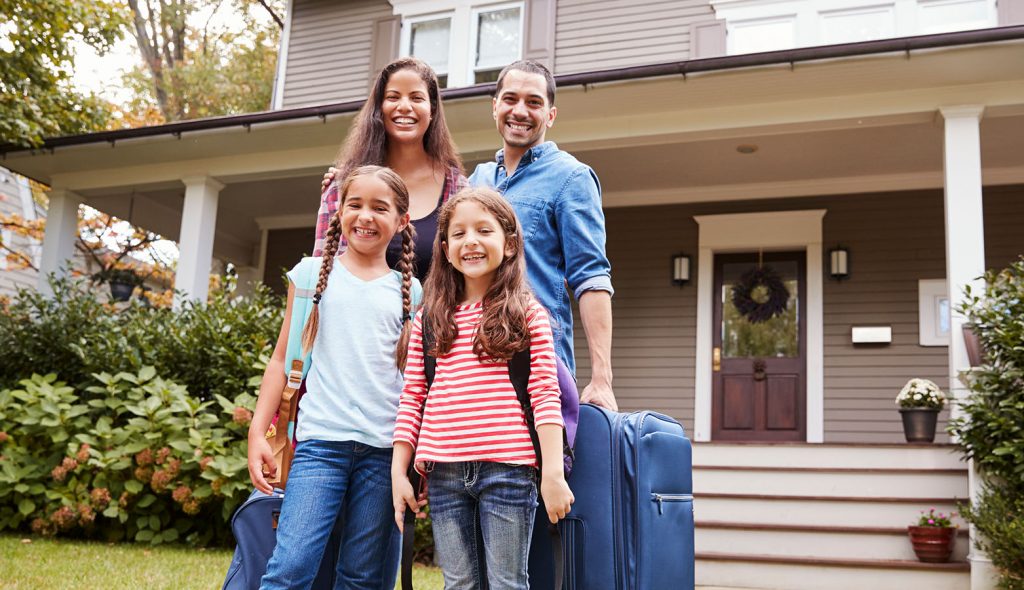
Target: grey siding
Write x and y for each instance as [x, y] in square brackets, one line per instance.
[894, 240]
[329, 50]
[603, 34]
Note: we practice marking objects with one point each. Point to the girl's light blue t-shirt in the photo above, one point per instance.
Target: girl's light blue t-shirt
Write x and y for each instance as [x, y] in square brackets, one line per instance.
[353, 384]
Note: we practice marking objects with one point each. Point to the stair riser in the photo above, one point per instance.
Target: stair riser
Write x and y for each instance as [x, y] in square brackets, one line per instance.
[811, 512]
[835, 545]
[842, 484]
[772, 576]
[861, 457]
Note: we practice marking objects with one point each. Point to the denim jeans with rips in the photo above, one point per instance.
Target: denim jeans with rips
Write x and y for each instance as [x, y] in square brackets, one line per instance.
[481, 508]
[347, 483]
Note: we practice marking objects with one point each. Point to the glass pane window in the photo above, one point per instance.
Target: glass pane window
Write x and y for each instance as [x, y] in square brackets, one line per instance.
[498, 42]
[429, 40]
[777, 336]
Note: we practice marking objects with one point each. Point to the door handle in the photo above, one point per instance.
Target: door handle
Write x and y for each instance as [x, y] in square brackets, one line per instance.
[716, 359]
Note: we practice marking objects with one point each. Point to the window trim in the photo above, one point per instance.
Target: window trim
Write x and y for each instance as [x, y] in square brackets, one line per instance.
[929, 292]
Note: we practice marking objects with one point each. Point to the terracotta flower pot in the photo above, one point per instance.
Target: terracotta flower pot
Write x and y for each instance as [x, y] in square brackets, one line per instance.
[932, 544]
[919, 424]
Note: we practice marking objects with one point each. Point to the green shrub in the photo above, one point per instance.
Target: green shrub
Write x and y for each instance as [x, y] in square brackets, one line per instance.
[991, 427]
[134, 457]
[209, 348]
[999, 519]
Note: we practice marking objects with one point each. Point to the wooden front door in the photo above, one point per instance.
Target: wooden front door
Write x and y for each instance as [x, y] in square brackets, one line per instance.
[759, 355]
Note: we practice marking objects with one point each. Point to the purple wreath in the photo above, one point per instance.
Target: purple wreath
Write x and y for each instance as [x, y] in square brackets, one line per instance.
[760, 305]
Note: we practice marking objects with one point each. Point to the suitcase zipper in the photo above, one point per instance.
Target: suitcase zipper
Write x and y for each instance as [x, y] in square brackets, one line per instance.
[659, 498]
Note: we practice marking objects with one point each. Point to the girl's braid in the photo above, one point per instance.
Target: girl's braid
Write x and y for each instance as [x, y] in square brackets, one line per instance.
[326, 265]
[405, 264]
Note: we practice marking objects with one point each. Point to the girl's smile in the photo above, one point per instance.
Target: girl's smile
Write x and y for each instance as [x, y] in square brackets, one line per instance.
[475, 244]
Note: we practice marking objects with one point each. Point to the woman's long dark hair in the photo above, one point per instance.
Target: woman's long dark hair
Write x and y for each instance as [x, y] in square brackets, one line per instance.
[367, 141]
[503, 329]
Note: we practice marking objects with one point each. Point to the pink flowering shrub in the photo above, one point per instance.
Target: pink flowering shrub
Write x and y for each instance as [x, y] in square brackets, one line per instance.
[134, 457]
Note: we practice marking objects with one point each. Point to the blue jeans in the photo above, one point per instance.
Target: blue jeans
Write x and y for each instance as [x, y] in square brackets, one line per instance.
[483, 503]
[330, 482]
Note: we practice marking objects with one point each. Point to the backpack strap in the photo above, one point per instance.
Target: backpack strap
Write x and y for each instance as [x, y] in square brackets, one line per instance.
[296, 363]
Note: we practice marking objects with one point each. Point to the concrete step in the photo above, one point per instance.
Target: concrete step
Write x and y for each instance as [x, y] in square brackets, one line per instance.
[810, 511]
[921, 456]
[773, 573]
[829, 542]
[845, 482]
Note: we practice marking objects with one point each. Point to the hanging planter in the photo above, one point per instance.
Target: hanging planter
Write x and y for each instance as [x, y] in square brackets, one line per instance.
[975, 349]
[760, 294]
[122, 282]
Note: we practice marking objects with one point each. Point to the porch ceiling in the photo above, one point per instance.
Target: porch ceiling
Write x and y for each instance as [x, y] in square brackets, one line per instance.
[845, 125]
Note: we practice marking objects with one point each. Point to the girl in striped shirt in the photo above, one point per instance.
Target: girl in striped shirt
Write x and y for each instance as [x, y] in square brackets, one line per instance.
[470, 433]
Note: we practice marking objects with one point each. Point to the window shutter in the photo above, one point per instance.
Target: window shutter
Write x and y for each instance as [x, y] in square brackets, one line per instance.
[539, 32]
[707, 39]
[384, 46]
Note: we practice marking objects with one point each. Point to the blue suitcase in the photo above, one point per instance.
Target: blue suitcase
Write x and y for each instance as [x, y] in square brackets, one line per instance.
[631, 527]
[254, 525]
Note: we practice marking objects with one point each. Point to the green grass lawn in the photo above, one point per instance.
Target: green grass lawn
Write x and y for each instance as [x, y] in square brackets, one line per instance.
[48, 564]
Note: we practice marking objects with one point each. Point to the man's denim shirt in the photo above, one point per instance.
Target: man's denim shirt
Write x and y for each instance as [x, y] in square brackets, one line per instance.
[558, 201]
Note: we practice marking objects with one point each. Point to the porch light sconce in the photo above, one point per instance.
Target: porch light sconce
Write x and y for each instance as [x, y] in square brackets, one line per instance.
[839, 263]
[680, 269]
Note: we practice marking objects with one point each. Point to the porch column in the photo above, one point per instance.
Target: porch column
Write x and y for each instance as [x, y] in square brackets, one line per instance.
[59, 238]
[965, 264]
[195, 240]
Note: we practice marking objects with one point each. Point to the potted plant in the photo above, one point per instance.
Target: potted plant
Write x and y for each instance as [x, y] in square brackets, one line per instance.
[933, 536]
[920, 402]
[122, 282]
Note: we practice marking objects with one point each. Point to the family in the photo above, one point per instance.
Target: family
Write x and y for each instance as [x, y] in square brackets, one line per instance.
[496, 255]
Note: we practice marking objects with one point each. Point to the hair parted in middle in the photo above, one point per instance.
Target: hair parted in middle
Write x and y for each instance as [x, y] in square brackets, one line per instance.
[401, 197]
[503, 329]
[367, 142]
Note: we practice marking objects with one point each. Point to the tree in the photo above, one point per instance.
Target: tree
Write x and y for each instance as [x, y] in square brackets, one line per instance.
[192, 67]
[37, 41]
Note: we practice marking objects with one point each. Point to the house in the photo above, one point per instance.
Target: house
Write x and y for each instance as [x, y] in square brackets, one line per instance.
[869, 153]
[16, 199]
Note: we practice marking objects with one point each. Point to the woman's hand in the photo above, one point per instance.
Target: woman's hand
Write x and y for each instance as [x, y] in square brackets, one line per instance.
[557, 496]
[328, 177]
[261, 463]
[402, 497]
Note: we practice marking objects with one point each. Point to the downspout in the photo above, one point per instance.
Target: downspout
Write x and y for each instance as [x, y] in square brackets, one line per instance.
[277, 97]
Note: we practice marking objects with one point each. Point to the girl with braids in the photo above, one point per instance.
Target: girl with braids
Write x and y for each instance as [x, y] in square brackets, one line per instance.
[358, 333]
[469, 433]
[401, 126]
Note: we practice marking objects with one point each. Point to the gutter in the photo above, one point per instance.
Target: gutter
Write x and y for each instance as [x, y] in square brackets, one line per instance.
[680, 68]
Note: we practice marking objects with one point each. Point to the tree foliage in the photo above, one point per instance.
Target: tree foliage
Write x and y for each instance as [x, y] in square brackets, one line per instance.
[192, 68]
[37, 51]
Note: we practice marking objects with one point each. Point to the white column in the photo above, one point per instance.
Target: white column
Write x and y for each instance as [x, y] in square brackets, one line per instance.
[60, 236]
[195, 241]
[965, 264]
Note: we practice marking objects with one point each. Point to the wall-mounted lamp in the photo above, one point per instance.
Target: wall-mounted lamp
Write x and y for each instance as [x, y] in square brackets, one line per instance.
[680, 269]
[839, 263]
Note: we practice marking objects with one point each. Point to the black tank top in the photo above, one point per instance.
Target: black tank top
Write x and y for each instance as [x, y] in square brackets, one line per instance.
[426, 229]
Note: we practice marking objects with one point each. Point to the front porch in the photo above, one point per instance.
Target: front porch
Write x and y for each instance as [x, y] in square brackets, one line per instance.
[806, 517]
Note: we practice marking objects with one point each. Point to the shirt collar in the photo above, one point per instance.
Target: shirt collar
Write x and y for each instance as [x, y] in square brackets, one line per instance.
[531, 154]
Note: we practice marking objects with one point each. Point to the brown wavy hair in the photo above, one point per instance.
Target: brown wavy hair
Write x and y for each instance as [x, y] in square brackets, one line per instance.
[367, 142]
[401, 196]
[503, 329]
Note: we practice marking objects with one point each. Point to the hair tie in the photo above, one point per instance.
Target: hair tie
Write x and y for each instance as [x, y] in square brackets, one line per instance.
[316, 298]
[408, 317]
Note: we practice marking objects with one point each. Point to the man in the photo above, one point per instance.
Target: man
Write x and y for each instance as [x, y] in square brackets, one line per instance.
[558, 202]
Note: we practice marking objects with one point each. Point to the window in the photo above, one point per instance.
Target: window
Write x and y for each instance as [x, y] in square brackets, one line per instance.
[933, 312]
[766, 25]
[465, 42]
[497, 41]
[430, 40]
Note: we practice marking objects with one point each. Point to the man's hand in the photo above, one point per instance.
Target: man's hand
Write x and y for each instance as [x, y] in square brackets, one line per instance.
[328, 177]
[599, 394]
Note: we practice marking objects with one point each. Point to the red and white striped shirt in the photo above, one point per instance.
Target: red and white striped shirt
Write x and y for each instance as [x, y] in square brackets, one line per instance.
[472, 413]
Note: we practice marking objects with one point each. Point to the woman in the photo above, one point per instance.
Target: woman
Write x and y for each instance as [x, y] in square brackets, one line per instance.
[401, 126]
